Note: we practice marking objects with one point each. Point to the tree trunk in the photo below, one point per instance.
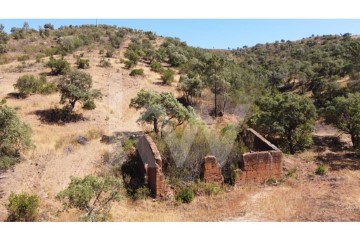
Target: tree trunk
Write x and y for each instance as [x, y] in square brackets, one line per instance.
[156, 128]
[356, 141]
[215, 92]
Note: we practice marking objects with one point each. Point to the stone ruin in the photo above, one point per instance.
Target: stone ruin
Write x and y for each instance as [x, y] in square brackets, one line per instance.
[151, 159]
[264, 161]
[211, 171]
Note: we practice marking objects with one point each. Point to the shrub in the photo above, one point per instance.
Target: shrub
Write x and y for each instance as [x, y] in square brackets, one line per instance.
[104, 63]
[142, 193]
[129, 64]
[110, 52]
[29, 84]
[186, 195]
[156, 67]
[23, 58]
[22, 207]
[136, 72]
[58, 66]
[168, 76]
[82, 63]
[7, 161]
[3, 48]
[89, 105]
[321, 170]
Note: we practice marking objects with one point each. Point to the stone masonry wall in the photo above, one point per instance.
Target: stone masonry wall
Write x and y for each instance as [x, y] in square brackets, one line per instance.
[211, 171]
[264, 160]
[151, 159]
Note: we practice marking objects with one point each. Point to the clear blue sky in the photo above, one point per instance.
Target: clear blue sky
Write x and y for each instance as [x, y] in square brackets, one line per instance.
[216, 33]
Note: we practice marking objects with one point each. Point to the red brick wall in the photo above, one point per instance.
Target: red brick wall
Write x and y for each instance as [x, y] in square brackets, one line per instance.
[211, 171]
[151, 159]
[264, 163]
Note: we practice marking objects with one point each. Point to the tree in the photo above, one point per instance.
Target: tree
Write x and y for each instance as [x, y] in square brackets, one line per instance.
[191, 87]
[22, 207]
[215, 78]
[14, 134]
[160, 109]
[288, 118]
[344, 113]
[92, 195]
[76, 86]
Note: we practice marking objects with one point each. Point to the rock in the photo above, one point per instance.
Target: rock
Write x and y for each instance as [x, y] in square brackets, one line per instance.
[82, 140]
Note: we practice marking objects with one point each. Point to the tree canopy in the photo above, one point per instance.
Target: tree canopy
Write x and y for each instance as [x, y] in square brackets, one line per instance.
[161, 109]
[287, 119]
[77, 86]
[344, 113]
[92, 195]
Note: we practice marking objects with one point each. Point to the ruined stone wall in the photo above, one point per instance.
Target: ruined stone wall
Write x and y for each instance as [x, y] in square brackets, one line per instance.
[211, 171]
[264, 160]
[151, 159]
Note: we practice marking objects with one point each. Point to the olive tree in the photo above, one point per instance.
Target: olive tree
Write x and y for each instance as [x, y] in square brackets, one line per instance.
[288, 118]
[160, 109]
[344, 113]
[77, 87]
[92, 195]
[14, 137]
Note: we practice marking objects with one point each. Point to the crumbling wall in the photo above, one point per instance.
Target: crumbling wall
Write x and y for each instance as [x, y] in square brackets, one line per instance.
[211, 171]
[151, 159]
[264, 160]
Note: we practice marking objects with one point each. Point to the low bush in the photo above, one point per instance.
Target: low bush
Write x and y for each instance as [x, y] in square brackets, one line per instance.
[168, 76]
[29, 84]
[321, 170]
[23, 58]
[82, 63]
[104, 63]
[58, 66]
[23, 207]
[89, 105]
[156, 67]
[129, 64]
[136, 72]
[185, 195]
[142, 193]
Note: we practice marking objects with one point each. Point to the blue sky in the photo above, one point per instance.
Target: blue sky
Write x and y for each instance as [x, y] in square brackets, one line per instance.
[217, 33]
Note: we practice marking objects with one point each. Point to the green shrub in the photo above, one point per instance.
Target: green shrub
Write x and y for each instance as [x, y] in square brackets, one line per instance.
[110, 52]
[7, 161]
[208, 189]
[136, 72]
[23, 58]
[38, 57]
[82, 63]
[89, 105]
[129, 64]
[29, 84]
[23, 207]
[186, 195]
[58, 66]
[142, 193]
[156, 67]
[168, 76]
[3, 48]
[104, 63]
[321, 170]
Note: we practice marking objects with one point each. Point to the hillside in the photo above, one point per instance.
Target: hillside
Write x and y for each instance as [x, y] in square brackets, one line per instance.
[218, 92]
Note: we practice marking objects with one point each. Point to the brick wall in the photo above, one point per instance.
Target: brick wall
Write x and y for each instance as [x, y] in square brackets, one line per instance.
[264, 160]
[211, 171]
[151, 159]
